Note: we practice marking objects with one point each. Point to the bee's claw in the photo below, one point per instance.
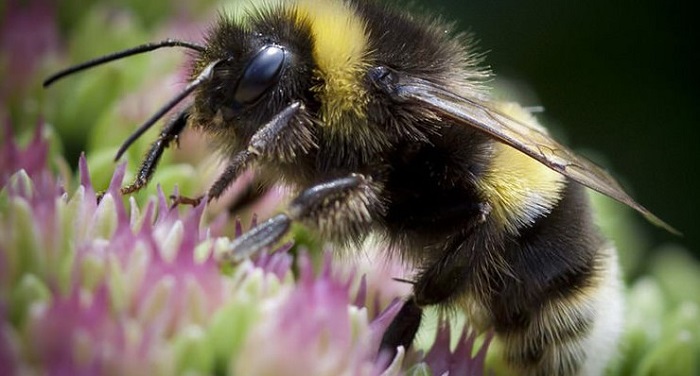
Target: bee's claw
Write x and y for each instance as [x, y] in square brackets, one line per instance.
[99, 195]
[178, 200]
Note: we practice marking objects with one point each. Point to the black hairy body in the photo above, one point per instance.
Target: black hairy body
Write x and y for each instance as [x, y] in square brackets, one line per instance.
[419, 182]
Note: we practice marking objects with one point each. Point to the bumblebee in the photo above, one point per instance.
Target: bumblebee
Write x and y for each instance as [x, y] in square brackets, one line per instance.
[382, 122]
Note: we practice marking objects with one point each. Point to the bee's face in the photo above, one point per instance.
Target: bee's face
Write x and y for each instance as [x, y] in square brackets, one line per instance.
[256, 73]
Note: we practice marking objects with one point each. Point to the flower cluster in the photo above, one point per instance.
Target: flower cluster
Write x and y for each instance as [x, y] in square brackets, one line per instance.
[95, 287]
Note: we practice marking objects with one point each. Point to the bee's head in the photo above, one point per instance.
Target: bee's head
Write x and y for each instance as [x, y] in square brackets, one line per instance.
[252, 67]
[241, 77]
[256, 70]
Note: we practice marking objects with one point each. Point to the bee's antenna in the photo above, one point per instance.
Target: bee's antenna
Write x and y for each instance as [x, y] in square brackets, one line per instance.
[202, 77]
[122, 54]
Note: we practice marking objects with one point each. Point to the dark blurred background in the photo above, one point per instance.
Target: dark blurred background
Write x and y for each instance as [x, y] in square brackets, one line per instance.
[619, 78]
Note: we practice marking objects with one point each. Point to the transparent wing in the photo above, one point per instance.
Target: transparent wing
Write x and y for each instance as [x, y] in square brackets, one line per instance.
[526, 138]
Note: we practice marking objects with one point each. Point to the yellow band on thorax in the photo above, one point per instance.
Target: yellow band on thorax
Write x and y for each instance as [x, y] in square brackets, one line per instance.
[340, 49]
[519, 188]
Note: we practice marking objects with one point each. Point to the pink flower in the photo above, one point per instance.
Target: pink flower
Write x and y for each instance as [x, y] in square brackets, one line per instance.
[111, 287]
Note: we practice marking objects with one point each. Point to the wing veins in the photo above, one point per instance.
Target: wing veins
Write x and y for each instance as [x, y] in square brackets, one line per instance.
[521, 136]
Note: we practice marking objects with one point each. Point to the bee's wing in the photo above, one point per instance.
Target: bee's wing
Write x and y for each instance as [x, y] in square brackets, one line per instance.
[526, 138]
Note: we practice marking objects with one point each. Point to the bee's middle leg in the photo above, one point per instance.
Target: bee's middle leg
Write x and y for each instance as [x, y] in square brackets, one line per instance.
[343, 208]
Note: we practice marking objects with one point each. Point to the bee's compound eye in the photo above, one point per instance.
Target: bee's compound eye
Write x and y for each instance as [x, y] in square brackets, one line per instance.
[262, 72]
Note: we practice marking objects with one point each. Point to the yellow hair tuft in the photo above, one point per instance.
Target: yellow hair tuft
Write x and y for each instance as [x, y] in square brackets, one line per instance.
[340, 49]
[519, 188]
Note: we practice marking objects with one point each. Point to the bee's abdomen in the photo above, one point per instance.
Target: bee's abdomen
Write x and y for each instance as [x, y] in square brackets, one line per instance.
[572, 333]
[560, 311]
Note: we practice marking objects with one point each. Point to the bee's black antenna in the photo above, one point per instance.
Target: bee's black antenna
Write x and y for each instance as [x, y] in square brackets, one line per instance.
[202, 77]
[122, 54]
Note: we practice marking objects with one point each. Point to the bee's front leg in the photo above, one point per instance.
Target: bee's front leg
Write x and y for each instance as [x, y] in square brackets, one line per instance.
[285, 135]
[341, 209]
[280, 139]
[170, 133]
